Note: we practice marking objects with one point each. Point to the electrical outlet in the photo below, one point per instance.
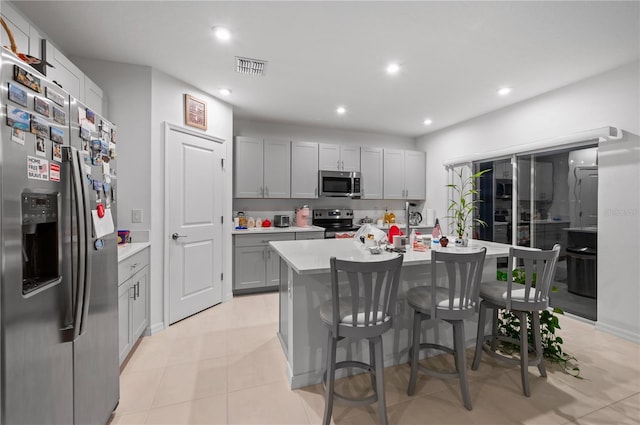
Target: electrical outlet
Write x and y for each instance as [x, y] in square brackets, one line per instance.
[400, 307]
[136, 216]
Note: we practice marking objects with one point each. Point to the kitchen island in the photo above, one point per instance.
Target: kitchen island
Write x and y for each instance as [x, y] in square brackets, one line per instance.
[305, 284]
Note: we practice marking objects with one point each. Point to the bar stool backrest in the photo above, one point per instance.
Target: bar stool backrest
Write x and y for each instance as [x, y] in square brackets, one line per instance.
[539, 268]
[463, 273]
[367, 307]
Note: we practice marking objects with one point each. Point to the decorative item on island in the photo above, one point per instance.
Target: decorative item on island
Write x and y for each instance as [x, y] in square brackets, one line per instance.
[463, 205]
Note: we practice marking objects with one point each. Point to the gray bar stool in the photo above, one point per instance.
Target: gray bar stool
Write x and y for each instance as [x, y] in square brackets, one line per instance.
[362, 308]
[521, 300]
[453, 304]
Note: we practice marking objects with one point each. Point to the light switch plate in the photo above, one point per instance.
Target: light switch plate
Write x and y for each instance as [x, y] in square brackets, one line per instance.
[136, 216]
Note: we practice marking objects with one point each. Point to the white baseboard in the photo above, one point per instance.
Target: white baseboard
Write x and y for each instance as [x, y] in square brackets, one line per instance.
[619, 332]
[155, 328]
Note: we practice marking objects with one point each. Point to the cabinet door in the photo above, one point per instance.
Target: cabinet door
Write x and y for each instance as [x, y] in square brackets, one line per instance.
[273, 267]
[415, 178]
[329, 157]
[249, 267]
[371, 169]
[93, 95]
[304, 170]
[393, 174]
[544, 181]
[20, 29]
[350, 158]
[248, 168]
[277, 169]
[65, 73]
[524, 180]
[139, 309]
[124, 330]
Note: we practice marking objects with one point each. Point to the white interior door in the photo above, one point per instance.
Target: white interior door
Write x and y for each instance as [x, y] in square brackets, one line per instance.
[195, 229]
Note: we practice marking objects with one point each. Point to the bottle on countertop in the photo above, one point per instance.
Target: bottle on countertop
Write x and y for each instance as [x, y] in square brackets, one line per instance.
[258, 222]
[251, 222]
[242, 220]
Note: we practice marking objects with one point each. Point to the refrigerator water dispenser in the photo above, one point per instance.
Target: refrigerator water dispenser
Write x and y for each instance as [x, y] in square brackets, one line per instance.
[40, 241]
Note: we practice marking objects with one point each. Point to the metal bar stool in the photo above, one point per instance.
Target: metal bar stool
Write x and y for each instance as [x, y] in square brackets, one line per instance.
[453, 304]
[521, 300]
[365, 311]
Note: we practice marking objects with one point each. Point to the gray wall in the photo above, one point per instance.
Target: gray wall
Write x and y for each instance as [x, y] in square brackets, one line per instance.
[609, 99]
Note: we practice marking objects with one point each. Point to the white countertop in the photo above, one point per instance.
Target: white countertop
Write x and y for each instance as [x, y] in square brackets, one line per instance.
[127, 250]
[312, 256]
[256, 230]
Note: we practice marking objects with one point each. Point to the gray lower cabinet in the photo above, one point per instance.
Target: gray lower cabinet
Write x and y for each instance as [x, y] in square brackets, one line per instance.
[133, 301]
[256, 267]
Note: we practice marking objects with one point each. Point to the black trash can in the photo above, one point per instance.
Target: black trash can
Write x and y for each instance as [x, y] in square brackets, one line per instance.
[582, 276]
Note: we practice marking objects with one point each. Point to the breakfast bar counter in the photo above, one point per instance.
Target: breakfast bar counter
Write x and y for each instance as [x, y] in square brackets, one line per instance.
[305, 284]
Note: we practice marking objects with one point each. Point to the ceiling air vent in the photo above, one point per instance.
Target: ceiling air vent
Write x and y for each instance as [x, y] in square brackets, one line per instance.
[249, 66]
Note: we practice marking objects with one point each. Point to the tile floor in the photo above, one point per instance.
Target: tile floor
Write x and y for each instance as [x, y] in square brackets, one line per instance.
[225, 366]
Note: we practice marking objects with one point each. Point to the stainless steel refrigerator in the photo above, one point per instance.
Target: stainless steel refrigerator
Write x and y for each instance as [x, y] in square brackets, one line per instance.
[58, 294]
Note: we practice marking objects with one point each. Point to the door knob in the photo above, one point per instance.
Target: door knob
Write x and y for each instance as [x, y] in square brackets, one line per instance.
[176, 236]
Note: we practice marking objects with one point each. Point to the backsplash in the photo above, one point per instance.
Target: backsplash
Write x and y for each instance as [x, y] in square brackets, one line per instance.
[371, 208]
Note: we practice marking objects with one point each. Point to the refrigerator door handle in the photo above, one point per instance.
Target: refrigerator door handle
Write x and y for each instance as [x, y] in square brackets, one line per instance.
[82, 214]
[87, 248]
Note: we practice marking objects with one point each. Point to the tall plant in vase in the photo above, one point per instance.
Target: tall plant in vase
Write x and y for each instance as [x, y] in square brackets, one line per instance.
[464, 204]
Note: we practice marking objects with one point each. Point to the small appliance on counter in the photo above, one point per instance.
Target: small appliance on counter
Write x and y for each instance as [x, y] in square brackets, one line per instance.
[301, 216]
[280, 220]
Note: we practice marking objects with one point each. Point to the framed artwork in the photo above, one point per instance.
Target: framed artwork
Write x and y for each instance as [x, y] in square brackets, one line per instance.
[195, 112]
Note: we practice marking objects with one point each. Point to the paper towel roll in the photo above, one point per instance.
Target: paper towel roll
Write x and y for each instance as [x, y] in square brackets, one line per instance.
[430, 217]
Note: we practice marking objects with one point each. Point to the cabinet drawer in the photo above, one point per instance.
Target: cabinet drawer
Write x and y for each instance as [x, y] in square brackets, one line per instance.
[133, 264]
[309, 235]
[262, 239]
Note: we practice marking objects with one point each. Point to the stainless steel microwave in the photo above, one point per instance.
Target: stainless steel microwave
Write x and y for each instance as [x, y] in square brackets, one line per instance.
[340, 184]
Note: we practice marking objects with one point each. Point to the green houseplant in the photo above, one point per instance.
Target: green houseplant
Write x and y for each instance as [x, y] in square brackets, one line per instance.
[464, 204]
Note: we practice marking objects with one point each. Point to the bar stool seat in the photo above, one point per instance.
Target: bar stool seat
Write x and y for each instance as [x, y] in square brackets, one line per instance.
[360, 308]
[453, 304]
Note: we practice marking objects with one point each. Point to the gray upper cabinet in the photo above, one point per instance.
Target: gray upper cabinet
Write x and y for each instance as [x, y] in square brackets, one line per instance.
[371, 169]
[338, 157]
[262, 168]
[248, 167]
[304, 170]
[404, 174]
[277, 169]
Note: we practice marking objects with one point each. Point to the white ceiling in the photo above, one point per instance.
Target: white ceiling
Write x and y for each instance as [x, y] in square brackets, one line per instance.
[454, 55]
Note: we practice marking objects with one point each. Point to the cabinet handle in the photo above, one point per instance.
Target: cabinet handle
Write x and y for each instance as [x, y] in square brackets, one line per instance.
[343, 165]
[137, 290]
[134, 265]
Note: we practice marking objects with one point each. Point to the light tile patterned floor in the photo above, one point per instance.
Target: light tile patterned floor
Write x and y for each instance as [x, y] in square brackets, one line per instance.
[225, 366]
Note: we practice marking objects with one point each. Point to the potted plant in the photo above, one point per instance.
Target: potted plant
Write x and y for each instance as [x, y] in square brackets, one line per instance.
[464, 204]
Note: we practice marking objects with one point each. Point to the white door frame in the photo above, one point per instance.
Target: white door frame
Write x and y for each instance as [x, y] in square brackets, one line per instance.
[166, 249]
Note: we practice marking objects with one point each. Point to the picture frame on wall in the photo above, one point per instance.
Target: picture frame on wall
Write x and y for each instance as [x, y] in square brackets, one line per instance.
[195, 112]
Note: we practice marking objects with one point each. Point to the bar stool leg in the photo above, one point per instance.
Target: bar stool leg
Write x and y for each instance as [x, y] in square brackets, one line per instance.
[372, 363]
[494, 328]
[330, 379]
[537, 338]
[415, 353]
[482, 317]
[382, 403]
[524, 352]
[461, 361]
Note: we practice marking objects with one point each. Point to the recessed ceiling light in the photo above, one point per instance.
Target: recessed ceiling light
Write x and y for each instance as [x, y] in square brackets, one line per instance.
[341, 110]
[428, 121]
[393, 68]
[504, 91]
[222, 33]
[225, 92]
